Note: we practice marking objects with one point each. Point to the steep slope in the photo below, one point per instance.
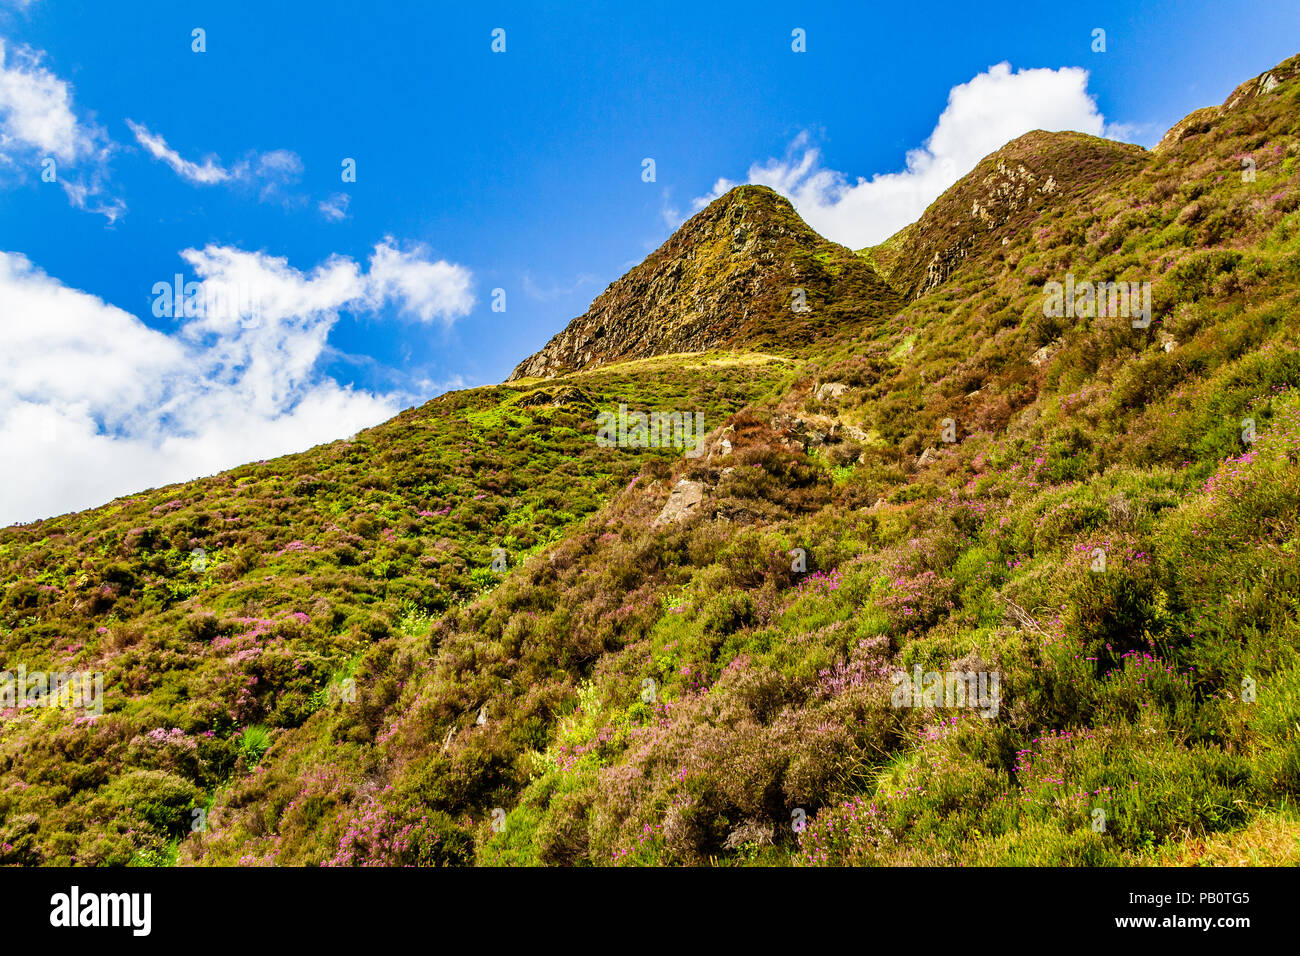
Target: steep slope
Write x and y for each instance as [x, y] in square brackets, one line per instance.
[229, 610]
[728, 277]
[683, 657]
[698, 690]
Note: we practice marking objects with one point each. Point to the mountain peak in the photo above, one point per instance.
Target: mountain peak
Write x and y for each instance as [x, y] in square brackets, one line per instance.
[1006, 191]
[1241, 99]
[746, 269]
[744, 200]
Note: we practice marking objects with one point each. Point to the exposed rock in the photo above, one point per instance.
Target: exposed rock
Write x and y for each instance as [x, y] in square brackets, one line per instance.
[971, 662]
[927, 456]
[1040, 357]
[751, 831]
[554, 395]
[1193, 124]
[812, 431]
[830, 390]
[686, 497]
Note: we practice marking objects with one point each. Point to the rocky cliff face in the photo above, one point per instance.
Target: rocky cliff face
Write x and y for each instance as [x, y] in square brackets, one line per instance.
[746, 270]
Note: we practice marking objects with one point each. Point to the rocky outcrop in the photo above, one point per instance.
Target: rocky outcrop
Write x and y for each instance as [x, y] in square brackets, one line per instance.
[829, 391]
[1040, 357]
[685, 499]
[555, 395]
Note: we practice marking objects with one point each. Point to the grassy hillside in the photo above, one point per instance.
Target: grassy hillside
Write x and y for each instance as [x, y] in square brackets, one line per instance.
[942, 477]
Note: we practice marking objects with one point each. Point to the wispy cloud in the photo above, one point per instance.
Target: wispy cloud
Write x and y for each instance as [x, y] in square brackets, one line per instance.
[272, 174]
[668, 209]
[335, 208]
[209, 173]
[39, 125]
[554, 290]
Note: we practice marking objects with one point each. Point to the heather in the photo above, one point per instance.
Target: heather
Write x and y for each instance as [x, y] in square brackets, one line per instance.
[345, 678]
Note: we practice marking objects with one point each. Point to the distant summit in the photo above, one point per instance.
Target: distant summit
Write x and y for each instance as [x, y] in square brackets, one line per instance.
[731, 275]
[746, 270]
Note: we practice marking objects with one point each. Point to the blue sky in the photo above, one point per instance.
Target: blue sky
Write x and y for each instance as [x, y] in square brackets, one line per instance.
[475, 171]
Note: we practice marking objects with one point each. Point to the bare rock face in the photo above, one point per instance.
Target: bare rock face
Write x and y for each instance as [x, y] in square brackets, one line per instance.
[829, 391]
[686, 497]
[927, 456]
[1039, 358]
[554, 395]
[744, 271]
[754, 832]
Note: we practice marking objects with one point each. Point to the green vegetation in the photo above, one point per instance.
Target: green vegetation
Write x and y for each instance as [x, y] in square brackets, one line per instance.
[346, 678]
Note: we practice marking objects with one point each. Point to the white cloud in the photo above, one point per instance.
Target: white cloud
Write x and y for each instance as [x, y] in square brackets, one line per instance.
[335, 208]
[426, 290]
[207, 174]
[36, 108]
[982, 115]
[38, 122]
[274, 173]
[95, 404]
[668, 209]
[271, 173]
